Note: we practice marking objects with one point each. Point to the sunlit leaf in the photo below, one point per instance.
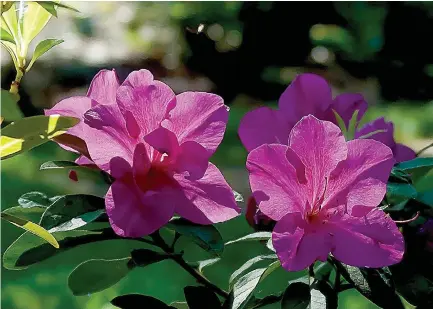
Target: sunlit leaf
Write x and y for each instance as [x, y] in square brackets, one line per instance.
[36, 199]
[6, 36]
[206, 236]
[10, 17]
[35, 19]
[51, 7]
[243, 289]
[296, 296]
[70, 212]
[9, 106]
[27, 133]
[42, 48]
[238, 272]
[33, 214]
[198, 297]
[138, 301]
[31, 227]
[251, 237]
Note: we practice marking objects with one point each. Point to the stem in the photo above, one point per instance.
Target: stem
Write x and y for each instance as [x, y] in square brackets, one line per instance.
[424, 149]
[337, 280]
[159, 241]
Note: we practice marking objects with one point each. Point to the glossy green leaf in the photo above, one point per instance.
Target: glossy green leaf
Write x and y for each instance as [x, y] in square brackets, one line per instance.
[10, 17]
[33, 214]
[251, 237]
[340, 123]
[243, 288]
[426, 198]
[200, 265]
[27, 133]
[138, 301]
[6, 36]
[10, 110]
[36, 199]
[206, 236]
[296, 296]
[70, 212]
[404, 190]
[29, 249]
[42, 48]
[375, 284]
[198, 297]
[400, 176]
[35, 19]
[323, 295]
[247, 265]
[31, 227]
[416, 168]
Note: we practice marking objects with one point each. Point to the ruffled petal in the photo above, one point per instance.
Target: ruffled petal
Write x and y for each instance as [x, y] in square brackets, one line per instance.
[320, 146]
[200, 117]
[264, 126]
[361, 179]
[274, 181]
[103, 87]
[307, 94]
[371, 240]
[207, 200]
[296, 245]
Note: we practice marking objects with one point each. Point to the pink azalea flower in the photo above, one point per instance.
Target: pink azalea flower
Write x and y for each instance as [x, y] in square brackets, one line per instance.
[311, 94]
[323, 193]
[157, 146]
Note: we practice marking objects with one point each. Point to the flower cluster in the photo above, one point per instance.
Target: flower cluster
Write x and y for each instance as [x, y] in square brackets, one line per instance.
[321, 190]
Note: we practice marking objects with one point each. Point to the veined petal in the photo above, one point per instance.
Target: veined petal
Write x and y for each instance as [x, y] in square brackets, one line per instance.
[103, 87]
[264, 126]
[274, 181]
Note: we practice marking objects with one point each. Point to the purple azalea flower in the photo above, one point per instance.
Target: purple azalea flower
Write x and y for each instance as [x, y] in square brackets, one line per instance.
[323, 193]
[311, 94]
[157, 146]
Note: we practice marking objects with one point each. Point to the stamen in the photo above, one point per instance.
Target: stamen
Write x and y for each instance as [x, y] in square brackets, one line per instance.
[409, 220]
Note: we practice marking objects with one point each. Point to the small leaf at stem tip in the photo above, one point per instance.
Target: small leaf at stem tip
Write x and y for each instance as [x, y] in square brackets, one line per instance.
[6, 36]
[251, 237]
[41, 49]
[138, 301]
[350, 134]
[340, 123]
[35, 18]
[32, 228]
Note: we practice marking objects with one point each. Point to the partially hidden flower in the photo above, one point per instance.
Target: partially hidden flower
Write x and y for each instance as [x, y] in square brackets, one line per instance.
[156, 145]
[323, 193]
[257, 219]
[311, 94]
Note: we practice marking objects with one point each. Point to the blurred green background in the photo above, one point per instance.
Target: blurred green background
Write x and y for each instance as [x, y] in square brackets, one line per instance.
[246, 52]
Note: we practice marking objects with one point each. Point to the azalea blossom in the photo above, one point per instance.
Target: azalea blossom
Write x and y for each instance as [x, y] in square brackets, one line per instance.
[311, 94]
[157, 146]
[323, 193]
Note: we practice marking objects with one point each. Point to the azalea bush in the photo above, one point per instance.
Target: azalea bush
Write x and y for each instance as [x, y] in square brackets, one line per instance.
[335, 202]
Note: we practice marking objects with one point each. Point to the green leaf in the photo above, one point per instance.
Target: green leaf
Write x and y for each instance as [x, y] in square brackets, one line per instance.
[323, 295]
[138, 301]
[198, 297]
[144, 257]
[31, 227]
[375, 284]
[296, 296]
[10, 17]
[200, 265]
[426, 198]
[51, 7]
[340, 123]
[27, 133]
[42, 48]
[270, 245]
[36, 199]
[179, 305]
[6, 36]
[10, 110]
[248, 265]
[97, 275]
[400, 190]
[33, 214]
[251, 237]
[35, 19]
[99, 181]
[350, 134]
[397, 175]
[70, 212]
[206, 236]
[243, 289]
[416, 168]
[28, 249]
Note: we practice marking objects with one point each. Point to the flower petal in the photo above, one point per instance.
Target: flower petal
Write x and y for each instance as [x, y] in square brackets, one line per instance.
[345, 105]
[264, 126]
[207, 200]
[386, 134]
[137, 79]
[193, 158]
[133, 213]
[307, 94]
[83, 160]
[199, 117]
[296, 247]
[164, 142]
[372, 240]
[274, 181]
[320, 146]
[141, 163]
[403, 153]
[145, 105]
[103, 87]
[106, 136]
[361, 179]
